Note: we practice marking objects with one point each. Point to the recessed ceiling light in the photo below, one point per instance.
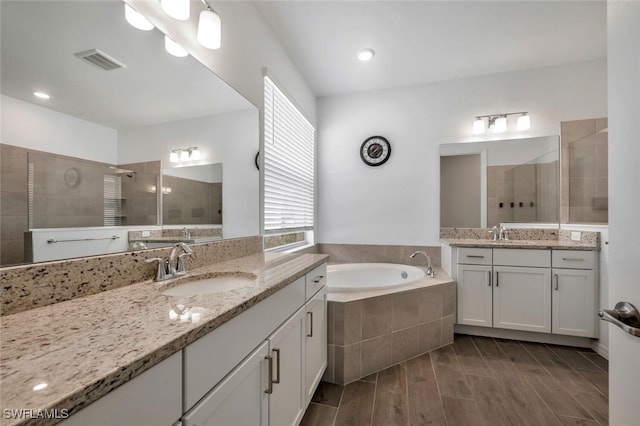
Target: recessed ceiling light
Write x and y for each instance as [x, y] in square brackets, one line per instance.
[366, 54]
[41, 95]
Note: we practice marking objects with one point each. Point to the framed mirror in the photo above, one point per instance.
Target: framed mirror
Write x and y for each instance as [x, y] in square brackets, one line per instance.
[485, 184]
[84, 167]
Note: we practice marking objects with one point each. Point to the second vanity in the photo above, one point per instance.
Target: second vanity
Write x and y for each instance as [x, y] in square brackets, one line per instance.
[506, 287]
[252, 355]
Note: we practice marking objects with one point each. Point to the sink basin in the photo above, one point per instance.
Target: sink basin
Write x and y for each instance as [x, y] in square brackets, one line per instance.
[212, 283]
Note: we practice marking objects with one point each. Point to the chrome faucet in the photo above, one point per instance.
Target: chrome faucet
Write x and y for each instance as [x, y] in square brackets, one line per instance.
[501, 234]
[176, 262]
[186, 233]
[430, 272]
[504, 234]
[495, 233]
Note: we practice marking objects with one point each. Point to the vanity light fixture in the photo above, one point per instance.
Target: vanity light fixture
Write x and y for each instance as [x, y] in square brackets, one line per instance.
[177, 9]
[136, 19]
[184, 154]
[366, 55]
[498, 122]
[209, 28]
[174, 48]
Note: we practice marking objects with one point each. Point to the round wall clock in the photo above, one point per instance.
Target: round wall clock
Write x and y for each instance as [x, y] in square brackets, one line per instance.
[72, 177]
[375, 151]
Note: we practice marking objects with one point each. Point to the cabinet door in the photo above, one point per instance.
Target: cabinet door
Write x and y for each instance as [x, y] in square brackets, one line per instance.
[286, 349]
[474, 295]
[574, 302]
[240, 399]
[315, 342]
[522, 298]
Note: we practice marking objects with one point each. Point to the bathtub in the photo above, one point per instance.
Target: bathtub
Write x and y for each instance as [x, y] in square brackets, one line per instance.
[357, 277]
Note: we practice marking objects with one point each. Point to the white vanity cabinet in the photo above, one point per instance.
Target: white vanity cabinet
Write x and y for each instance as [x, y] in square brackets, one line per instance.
[151, 399]
[475, 289]
[271, 385]
[574, 293]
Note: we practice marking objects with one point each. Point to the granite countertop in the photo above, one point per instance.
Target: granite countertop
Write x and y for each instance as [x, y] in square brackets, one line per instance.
[530, 244]
[85, 347]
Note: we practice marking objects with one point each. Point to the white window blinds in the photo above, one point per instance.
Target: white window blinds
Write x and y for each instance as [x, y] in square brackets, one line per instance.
[288, 164]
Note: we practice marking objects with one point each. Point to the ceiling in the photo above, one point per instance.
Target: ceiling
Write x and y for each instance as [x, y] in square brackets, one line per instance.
[425, 41]
[39, 40]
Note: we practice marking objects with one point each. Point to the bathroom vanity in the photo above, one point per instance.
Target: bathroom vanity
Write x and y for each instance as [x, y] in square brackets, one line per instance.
[251, 355]
[542, 286]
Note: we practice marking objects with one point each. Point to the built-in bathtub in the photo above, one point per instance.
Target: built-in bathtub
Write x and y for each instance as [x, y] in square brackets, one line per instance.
[380, 314]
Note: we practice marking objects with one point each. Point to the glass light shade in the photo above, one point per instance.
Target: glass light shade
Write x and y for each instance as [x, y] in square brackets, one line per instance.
[209, 30]
[500, 124]
[174, 157]
[195, 154]
[184, 155]
[174, 48]
[178, 9]
[366, 55]
[478, 126]
[524, 122]
[136, 19]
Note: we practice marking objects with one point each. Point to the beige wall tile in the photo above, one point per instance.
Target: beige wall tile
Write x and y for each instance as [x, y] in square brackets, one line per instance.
[328, 375]
[430, 303]
[331, 312]
[347, 322]
[405, 310]
[429, 336]
[376, 316]
[404, 344]
[348, 365]
[449, 299]
[376, 354]
[447, 329]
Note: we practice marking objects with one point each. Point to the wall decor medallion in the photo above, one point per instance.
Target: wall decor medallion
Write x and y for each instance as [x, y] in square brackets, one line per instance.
[375, 151]
[72, 177]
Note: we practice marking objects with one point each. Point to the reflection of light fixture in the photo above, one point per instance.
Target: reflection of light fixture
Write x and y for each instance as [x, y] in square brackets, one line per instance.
[40, 386]
[174, 48]
[41, 95]
[498, 122]
[185, 154]
[178, 9]
[136, 19]
[366, 54]
[209, 28]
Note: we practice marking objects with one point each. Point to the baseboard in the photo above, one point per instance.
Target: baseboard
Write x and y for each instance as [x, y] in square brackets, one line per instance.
[528, 336]
[600, 349]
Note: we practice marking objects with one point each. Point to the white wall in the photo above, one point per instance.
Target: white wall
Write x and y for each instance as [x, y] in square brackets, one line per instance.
[248, 46]
[34, 127]
[623, 34]
[398, 202]
[224, 138]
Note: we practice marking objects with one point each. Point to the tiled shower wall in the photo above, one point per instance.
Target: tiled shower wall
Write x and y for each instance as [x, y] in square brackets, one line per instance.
[13, 204]
[139, 197]
[585, 171]
[191, 202]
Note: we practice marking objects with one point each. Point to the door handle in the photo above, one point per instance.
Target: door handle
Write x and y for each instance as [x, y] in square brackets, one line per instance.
[277, 379]
[625, 316]
[497, 279]
[269, 388]
[310, 324]
[490, 283]
[556, 278]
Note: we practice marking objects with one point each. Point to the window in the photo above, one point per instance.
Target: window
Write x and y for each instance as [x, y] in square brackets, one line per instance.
[288, 165]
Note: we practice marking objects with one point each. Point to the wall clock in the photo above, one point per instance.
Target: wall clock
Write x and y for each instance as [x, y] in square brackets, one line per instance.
[375, 151]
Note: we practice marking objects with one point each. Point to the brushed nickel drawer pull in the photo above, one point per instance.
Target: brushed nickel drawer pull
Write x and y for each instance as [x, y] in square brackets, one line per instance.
[497, 279]
[277, 379]
[269, 389]
[573, 259]
[490, 283]
[556, 277]
[475, 256]
[311, 324]
[318, 279]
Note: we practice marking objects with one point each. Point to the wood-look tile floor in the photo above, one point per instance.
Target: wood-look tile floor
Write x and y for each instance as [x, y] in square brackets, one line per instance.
[474, 381]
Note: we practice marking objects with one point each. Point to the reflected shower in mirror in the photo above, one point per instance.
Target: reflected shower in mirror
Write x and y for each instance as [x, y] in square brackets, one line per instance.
[97, 145]
[485, 184]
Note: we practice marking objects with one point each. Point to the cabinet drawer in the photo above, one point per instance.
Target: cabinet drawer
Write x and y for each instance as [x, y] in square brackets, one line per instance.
[474, 256]
[573, 259]
[522, 257]
[315, 280]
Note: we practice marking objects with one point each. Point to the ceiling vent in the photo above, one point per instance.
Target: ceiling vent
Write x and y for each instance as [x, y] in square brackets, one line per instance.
[100, 59]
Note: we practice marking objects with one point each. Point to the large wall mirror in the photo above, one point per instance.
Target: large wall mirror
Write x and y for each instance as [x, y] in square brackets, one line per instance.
[485, 184]
[92, 163]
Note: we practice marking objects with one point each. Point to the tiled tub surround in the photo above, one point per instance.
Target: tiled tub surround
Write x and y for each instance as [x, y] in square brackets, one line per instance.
[85, 347]
[521, 238]
[369, 334]
[370, 253]
[31, 286]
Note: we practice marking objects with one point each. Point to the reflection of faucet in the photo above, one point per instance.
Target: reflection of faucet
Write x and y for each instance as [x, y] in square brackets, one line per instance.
[504, 234]
[176, 263]
[430, 272]
[495, 233]
[185, 233]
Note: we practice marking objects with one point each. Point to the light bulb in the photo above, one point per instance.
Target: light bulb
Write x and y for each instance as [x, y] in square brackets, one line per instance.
[174, 48]
[136, 19]
[366, 54]
[173, 157]
[478, 126]
[184, 155]
[209, 30]
[500, 124]
[524, 122]
[177, 9]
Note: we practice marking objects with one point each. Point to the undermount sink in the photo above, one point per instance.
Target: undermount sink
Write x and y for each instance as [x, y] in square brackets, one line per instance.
[216, 282]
